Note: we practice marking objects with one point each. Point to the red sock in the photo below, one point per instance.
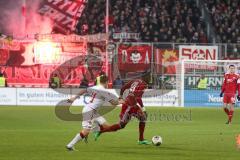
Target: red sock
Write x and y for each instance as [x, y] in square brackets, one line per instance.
[141, 130]
[230, 115]
[226, 111]
[101, 127]
[111, 128]
[82, 135]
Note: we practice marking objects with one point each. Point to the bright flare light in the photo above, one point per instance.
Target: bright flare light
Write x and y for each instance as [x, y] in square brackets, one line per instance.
[47, 52]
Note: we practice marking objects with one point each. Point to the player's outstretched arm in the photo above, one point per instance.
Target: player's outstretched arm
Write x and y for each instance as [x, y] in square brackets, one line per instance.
[72, 99]
[126, 86]
[116, 102]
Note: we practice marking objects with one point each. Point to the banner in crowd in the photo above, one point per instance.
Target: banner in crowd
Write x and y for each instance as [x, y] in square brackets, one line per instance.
[202, 98]
[9, 45]
[36, 61]
[191, 52]
[194, 52]
[164, 60]
[136, 58]
[57, 53]
[126, 36]
[41, 52]
[64, 13]
[100, 37]
[4, 56]
[39, 75]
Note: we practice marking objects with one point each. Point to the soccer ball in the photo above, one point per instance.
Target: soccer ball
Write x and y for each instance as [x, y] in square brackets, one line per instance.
[157, 140]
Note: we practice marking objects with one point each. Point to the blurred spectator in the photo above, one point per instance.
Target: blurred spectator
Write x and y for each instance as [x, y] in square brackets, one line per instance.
[170, 83]
[202, 82]
[118, 83]
[55, 82]
[3, 81]
[155, 20]
[84, 83]
[195, 38]
[226, 19]
[102, 73]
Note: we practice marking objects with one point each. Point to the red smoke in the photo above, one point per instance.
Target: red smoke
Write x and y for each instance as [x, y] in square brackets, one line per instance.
[21, 18]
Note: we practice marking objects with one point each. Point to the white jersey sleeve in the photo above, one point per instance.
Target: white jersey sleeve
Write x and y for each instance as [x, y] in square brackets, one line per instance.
[91, 90]
[108, 96]
[99, 95]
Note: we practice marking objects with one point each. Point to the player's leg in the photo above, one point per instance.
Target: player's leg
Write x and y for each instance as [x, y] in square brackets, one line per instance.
[231, 111]
[142, 117]
[88, 115]
[109, 128]
[124, 119]
[114, 127]
[79, 136]
[225, 108]
[225, 104]
[99, 123]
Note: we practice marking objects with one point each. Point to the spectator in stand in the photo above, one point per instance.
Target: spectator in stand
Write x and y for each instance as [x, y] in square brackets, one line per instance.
[226, 19]
[170, 83]
[102, 73]
[55, 82]
[118, 83]
[202, 82]
[195, 38]
[154, 20]
[84, 83]
[3, 81]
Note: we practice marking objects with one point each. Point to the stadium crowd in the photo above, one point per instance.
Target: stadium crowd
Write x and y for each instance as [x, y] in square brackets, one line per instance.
[164, 20]
[155, 20]
[226, 19]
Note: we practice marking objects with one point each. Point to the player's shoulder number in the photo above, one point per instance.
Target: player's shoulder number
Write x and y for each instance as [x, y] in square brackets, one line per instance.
[133, 86]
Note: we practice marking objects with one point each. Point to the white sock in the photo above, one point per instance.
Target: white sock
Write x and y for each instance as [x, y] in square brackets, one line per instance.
[74, 140]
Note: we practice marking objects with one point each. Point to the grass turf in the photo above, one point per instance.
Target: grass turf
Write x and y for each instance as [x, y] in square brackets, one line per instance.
[34, 133]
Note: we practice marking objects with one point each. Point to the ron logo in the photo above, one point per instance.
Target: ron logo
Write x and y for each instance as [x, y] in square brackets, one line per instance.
[135, 57]
[198, 54]
[214, 99]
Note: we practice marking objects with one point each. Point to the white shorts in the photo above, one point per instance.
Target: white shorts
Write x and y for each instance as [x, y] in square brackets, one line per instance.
[91, 116]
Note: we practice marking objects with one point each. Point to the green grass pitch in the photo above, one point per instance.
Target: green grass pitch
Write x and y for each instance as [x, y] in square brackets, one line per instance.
[34, 133]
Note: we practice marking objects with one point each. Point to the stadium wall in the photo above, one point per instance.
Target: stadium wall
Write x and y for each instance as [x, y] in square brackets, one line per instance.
[202, 98]
[50, 97]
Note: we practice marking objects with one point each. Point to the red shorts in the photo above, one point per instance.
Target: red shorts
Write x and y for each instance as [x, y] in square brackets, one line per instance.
[128, 111]
[229, 98]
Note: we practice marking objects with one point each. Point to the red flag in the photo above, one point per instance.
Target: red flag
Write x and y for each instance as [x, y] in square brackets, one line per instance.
[64, 13]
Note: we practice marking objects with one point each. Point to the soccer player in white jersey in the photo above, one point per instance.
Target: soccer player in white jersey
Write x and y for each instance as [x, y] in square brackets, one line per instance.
[99, 95]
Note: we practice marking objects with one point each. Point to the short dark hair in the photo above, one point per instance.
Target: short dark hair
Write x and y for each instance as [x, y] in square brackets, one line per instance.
[231, 65]
[103, 79]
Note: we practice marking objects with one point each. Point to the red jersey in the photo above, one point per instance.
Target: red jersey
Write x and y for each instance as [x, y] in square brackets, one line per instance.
[230, 84]
[136, 87]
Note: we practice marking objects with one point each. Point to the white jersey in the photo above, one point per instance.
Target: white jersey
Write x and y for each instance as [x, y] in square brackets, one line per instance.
[99, 95]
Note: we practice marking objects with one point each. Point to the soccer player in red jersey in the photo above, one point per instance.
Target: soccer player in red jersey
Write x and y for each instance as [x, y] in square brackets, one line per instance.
[229, 88]
[133, 106]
